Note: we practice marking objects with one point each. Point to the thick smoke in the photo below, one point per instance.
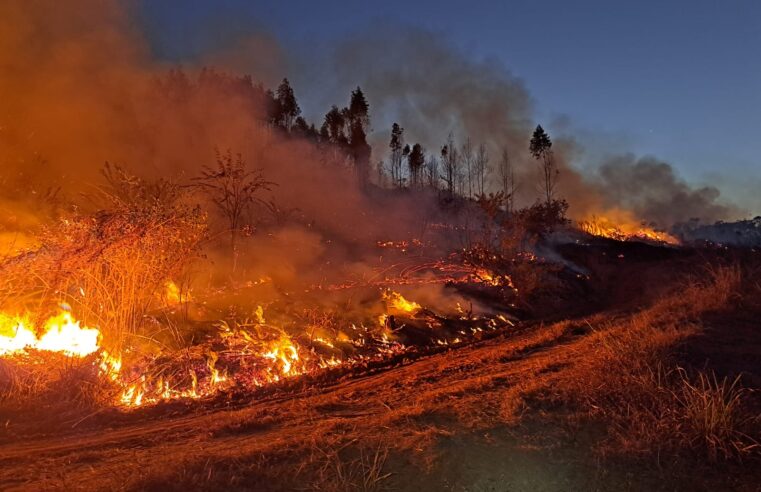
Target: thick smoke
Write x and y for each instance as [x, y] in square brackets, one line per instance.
[650, 189]
[79, 88]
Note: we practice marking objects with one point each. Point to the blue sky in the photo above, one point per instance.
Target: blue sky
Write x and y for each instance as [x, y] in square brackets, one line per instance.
[679, 79]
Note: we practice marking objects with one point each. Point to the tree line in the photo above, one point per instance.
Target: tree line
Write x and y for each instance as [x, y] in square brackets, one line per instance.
[455, 170]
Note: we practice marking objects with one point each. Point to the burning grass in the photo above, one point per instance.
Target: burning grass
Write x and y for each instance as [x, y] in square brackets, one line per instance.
[622, 226]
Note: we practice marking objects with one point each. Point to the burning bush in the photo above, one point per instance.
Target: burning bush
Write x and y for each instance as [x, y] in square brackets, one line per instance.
[107, 266]
[104, 268]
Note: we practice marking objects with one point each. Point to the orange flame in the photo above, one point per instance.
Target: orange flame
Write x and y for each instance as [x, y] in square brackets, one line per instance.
[622, 226]
[61, 333]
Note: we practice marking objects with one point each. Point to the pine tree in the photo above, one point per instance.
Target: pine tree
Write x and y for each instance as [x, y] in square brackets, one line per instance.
[541, 148]
[396, 144]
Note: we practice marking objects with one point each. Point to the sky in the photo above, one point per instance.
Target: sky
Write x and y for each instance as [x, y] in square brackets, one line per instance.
[678, 79]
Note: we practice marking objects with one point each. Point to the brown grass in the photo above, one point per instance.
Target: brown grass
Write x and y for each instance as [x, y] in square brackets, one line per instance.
[630, 377]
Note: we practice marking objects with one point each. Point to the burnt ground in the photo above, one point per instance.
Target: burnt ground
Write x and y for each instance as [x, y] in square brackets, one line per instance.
[478, 418]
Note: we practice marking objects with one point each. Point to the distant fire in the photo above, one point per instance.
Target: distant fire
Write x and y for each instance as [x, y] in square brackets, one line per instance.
[622, 227]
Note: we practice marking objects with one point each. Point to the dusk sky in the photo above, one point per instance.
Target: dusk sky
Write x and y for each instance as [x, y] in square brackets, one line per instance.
[680, 80]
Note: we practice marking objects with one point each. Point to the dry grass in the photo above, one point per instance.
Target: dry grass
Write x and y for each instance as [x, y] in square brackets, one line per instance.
[629, 376]
[339, 471]
[109, 268]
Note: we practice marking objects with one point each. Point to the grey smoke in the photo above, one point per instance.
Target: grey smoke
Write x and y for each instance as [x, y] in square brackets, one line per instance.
[651, 189]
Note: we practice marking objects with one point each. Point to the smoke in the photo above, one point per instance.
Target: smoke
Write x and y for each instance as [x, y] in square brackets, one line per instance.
[80, 87]
[650, 189]
[417, 78]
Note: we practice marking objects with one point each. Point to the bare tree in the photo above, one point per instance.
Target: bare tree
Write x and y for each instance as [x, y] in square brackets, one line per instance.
[450, 161]
[481, 168]
[432, 172]
[232, 187]
[467, 158]
[507, 180]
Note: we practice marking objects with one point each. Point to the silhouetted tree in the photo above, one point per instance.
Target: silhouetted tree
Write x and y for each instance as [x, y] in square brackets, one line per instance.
[541, 148]
[335, 126]
[450, 161]
[396, 144]
[359, 119]
[288, 108]
[467, 157]
[359, 110]
[507, 180]
[481, 168]
[416, 161]
[300, 128]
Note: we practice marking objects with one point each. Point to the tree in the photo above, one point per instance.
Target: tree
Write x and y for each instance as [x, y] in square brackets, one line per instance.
[467, 157]
[432, 172]
[396, 144]
[359, 119]
[359, 109]
[416, 161]
[232, 187]
[507, 180]
[288, 108]
[481, 168]
[334, 126]
[450, 161]
[300, 127]
[541, 148]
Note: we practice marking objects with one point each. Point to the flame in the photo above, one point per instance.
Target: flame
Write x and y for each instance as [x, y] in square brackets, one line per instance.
[270, 354]
[173, 294]
[286, 352]
[260, 315]
[61, 333]
[397, 301]
[622, 226]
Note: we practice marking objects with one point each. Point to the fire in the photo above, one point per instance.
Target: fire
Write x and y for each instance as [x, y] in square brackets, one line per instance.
[61, 333]
[173, 294]
[286, 352]
[246, 354]
[621, 225]
[398, 302]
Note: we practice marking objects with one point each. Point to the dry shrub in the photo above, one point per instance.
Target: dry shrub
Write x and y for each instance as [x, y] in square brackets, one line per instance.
[108, 266]
[51, 379]
[631, 379]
